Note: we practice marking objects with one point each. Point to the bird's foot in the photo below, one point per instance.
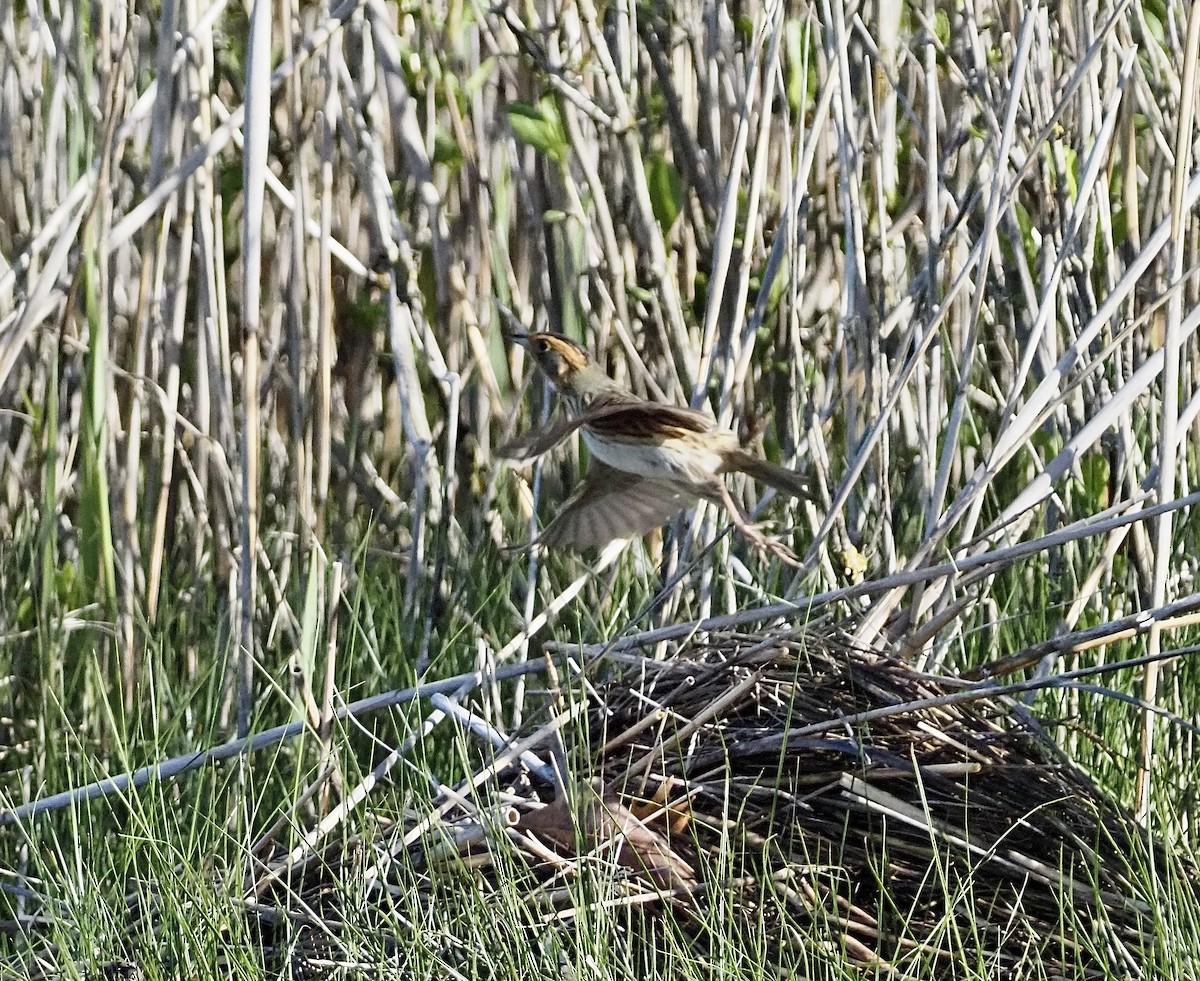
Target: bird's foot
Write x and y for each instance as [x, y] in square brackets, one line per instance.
[753, 533]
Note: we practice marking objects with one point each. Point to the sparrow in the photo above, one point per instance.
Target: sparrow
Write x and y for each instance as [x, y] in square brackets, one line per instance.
[649, 460]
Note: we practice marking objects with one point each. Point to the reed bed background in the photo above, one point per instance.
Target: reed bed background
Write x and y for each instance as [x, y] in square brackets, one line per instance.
[254, 265]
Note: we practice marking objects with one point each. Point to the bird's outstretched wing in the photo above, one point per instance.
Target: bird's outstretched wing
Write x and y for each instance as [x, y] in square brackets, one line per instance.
[534, 444]
[611, 504]
[636, 421]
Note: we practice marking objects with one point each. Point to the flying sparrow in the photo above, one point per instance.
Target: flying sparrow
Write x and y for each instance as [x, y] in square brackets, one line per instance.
[649, 460]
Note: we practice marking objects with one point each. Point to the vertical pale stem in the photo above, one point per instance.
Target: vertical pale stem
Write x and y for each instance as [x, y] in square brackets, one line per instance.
[1168, 447]
[254, 166]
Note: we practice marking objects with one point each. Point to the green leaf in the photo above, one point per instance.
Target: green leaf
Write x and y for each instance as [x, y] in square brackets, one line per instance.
[1095, 472]
[656, 107]
[1155, 14]
[666, 191]
[1120, 231]
[96, 547]
[446, 150]
[1029, 238]
[941, 26]
[1069, 176]
[540, 127]
[639, 293]
[66, 587]
[478, 77]
[310, 623]
[793, 43]
[700, 295]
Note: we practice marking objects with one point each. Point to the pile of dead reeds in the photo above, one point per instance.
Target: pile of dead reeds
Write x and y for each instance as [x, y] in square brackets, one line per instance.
[816, 788]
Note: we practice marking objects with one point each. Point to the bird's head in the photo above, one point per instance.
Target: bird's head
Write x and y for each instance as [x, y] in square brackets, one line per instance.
[561, 360]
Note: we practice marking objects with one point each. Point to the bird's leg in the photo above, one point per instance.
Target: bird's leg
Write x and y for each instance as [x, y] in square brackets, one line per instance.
[512, 551]
[750, 531]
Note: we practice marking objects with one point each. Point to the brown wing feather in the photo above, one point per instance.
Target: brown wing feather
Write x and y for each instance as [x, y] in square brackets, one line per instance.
[639, 420]
[646, 421]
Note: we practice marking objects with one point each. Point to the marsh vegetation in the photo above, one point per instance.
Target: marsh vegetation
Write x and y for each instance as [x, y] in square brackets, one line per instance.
[940, 257]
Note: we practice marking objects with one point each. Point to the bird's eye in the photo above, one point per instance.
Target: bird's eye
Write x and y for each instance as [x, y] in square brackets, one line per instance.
[543, 345]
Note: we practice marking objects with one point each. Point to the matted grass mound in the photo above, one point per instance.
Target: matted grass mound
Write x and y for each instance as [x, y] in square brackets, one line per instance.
[831, 799]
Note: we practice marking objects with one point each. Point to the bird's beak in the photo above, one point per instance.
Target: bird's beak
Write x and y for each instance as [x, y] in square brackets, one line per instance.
[512, 326]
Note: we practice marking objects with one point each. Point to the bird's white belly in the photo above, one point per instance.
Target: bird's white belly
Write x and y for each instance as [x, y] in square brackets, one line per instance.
[661, 461]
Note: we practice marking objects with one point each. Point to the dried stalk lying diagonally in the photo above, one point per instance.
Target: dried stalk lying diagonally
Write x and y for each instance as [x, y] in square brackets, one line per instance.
[786, 782]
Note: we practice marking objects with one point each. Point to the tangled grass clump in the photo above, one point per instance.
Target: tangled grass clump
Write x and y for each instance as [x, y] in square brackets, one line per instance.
[824, 798]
